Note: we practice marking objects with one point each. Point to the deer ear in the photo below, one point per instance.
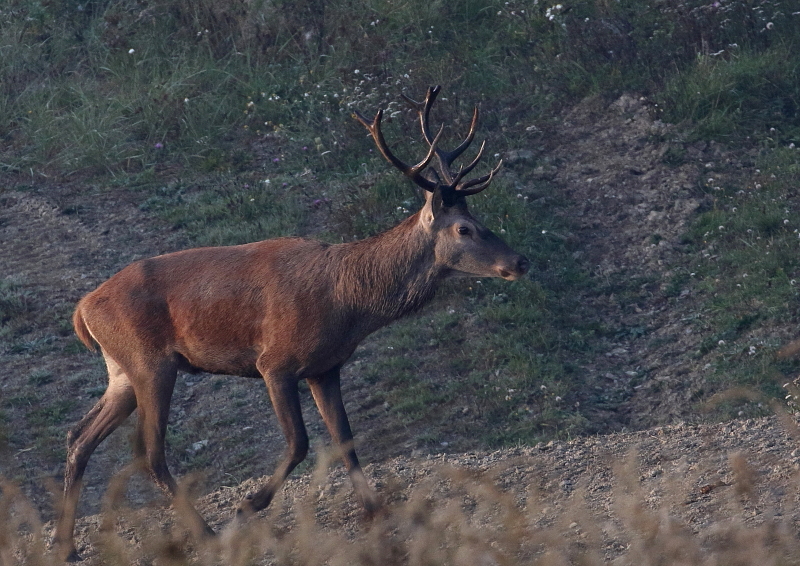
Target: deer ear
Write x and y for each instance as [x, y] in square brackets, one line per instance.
[443, 197]
[429, 211]
[437, 201]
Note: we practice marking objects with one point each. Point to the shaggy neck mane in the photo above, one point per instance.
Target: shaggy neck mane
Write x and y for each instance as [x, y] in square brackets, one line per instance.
[390, 274]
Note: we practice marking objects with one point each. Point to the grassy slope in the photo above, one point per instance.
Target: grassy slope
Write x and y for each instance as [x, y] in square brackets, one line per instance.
[232, 123]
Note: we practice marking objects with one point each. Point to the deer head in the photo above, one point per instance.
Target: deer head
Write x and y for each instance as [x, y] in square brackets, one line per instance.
[463, 246]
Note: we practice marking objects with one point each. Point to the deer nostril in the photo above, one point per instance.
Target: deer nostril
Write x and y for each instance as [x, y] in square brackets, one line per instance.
[523, 265]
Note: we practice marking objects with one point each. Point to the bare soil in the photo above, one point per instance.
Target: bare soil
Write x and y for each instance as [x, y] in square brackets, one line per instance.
[628, 208]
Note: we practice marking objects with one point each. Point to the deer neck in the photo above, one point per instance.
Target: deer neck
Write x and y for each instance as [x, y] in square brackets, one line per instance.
[391, 274]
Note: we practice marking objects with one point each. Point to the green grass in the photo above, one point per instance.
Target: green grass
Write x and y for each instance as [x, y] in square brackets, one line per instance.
[40, 377]
[745, 266]
[47, 416]
[123, 90]
[750, 93]
[16, 305]
[227, 210]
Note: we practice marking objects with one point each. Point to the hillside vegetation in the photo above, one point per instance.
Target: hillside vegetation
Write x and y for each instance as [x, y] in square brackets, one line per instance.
[651, 170]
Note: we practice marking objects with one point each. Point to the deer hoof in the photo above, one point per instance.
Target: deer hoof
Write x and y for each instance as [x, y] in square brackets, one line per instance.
[373, 508]
[244, 511]
[72, 556]
[66, 551]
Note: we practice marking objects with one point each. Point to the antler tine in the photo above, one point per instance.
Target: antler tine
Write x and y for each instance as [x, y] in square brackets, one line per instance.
[424, 109]
[470, 188]
[453, 155]
[445, 158]
[414, 172]
[464, 170]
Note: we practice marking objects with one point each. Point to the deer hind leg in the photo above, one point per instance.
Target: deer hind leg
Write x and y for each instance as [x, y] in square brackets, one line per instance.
[286, 401]
[327, 393]
[116, 404]
[154, 395]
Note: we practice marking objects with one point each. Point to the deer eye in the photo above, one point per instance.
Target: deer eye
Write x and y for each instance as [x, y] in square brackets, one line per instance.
[463, 230]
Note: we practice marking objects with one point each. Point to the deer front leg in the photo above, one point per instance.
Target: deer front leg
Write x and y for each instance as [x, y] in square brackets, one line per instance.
[154, 381]
[286, 401]
[327, 393]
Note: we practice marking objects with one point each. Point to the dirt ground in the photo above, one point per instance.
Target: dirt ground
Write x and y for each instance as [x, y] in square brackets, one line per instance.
[628, 208]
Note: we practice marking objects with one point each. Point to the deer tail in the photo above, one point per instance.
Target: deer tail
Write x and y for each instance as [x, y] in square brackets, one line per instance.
[84, 335]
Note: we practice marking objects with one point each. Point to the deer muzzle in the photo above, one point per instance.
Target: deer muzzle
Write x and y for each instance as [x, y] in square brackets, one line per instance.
[514, 269]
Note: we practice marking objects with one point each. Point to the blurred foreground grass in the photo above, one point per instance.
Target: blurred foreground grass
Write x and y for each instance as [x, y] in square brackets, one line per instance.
[663, 497]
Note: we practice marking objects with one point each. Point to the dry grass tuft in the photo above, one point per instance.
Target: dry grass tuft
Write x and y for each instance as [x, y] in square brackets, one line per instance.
[443, 514]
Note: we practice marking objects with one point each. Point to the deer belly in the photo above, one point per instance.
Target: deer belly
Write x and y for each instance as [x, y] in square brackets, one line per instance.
[230, 357]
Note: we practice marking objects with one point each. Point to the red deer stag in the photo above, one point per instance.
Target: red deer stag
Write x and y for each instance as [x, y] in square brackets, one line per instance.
[283, 310]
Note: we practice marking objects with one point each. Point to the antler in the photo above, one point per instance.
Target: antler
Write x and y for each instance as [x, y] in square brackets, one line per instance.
[444, 178]
[414, 172]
